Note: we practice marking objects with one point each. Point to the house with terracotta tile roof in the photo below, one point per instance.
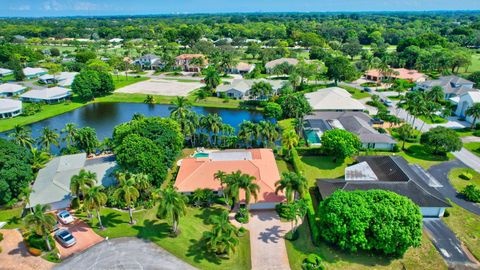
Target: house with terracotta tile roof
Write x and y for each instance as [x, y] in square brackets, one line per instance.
[398, 73]
[199, 172]
[184, 61]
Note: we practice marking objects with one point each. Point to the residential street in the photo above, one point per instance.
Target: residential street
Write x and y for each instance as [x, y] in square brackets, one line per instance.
[468, 158]
[447, 244]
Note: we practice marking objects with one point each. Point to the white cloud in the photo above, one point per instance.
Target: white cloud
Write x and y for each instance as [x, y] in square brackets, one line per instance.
[85, 6]
[52, 5]
[21, 8]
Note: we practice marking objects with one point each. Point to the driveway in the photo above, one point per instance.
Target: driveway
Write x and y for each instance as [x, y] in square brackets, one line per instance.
[266, 241]
[124, 253]
[161, 87]
[84, 235]
[15, 256]
[468, 158]
[447, 244]
[440, 172]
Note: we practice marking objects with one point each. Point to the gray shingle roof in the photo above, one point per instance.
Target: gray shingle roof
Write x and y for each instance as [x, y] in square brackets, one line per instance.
[9, 105]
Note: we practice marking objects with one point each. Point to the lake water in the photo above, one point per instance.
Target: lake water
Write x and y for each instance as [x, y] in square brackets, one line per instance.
[103, 117]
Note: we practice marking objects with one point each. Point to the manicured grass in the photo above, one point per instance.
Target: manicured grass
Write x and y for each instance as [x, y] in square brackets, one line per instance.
[459, 183]
[464, 132]
[322, 167]
[434, 120]
[356, 94]
[13, 217]
[424, 257]
[137, 98]
[473, 147]
[182, 80]
[475, 66]
[7, 78]
[186, 245]
[283, 166]
[286, 124]
[466, 226]
[216, 102]
[122, 81]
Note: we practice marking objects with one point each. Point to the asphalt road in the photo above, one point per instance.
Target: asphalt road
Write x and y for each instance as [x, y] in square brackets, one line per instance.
[446, 243]
[124, 253]
[440, 172]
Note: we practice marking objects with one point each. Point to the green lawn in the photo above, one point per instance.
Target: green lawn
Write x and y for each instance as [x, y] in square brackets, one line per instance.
[424, 257]
[322, 167]
[464, 132]
[475, 66]
[459, 183]
[283, 166]
[357, 94]
[122, 81]
[466, 226]
[473, 147]
[216, 102]
[286, 124]
[434, 120]
[7, 78]
[182, 80]
[187, 246]
[12, 217]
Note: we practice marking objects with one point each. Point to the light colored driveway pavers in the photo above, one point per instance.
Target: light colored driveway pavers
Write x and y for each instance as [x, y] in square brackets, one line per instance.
[161, 87]
[124, 253]
[15, 256]
[84, 235]
[266, 241]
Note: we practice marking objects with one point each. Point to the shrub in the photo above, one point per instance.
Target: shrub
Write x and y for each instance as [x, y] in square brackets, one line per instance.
[292, 235]
[466, 175]
[282, 210]
[1, 237]
[242, 215]
[396, 148]
[350, 221]
[471, 193]
[312, 262]
[34, 251]
[75, 203]
[446, 213]
[241, 232]
[476, 133]
[38, 242]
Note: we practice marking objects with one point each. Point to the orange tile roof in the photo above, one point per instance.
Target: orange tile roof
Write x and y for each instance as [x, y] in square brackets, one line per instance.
[403, 73]
[199, 173]
[189, 56]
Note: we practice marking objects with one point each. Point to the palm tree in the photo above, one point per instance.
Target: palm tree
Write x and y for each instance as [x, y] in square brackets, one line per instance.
[39, 159]
[473, 111]
[222, 177]
[70, 131]
[212, 78]
[40, 222]
[48, 138]
[21, 136]
[290, 183]
[227, 130]
[222, 238]
[149, 100]
[126, 192]
[436, 94]
[25, 196]
[290, 139]
[95, 199]
[246, 132]
[80, 183]
[405, 132]
[172, 205]
[180, 108]
[269, 132]
[246, 183]
[212, 123]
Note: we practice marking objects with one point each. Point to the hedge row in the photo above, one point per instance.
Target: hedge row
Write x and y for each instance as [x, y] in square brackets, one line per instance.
[315, 232]
[309, 151]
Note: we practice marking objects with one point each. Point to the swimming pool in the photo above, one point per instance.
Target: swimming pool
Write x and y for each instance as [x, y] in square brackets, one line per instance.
[200, 155]
[313, 137]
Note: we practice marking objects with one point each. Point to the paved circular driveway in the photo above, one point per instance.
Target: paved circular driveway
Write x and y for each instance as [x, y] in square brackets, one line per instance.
[124, 253]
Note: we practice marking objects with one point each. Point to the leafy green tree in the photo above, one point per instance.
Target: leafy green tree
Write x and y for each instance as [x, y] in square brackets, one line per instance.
[290, 183]
[349, 221]
[126, 192]
[84, 56]
[440, 140]
[48, 138]
[273, 110]
[86, 140]
[86, 84]
[352, 48]
[261, 89]
[405, 132]
[106, 84]
[21, 136]
[295, 106]
[80, 183]
[297, 210]
[172, 204]
[340, 69]
[40, 222]
[473, 111]
[340, 143]
[475, 78]
[15, 170]
[95, 199]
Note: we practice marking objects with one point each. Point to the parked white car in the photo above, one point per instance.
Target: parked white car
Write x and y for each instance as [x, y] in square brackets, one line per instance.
[65, 217]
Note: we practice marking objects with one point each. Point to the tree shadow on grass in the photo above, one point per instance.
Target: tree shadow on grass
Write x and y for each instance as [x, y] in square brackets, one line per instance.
[321, 162]
[199, 252]
[206, 213]
[419, 152]
[111, 219]
[153, 230]
[14, 220]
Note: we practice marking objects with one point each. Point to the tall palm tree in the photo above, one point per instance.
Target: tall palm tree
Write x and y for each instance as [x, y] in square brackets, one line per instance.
[25, 196]
[95, 199]
[212, 78]
[212, 123]
[172, 204]
[180, 108]
[81, 182]
[473, 111]
[48, 138]
[246, 183]
[21, 136]
[39, 159]
[222, 177]
[290, 139]
[40, 222]
[269, 132]
[290, 183]
[126, 192]
[436, 94]
[227, 130]
[246, 132]
[70, 131]
[405, 132]
[190, 127]
[222, 238]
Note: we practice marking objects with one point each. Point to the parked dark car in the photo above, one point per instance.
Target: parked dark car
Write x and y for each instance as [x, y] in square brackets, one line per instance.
[377, 121]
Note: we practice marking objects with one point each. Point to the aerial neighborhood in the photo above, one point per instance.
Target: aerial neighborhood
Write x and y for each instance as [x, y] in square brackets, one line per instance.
[240, 141]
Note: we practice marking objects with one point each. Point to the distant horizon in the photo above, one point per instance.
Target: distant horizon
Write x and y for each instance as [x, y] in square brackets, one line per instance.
[105, 8]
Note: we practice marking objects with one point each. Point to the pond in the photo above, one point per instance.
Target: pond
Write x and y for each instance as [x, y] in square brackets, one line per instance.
[103, 117]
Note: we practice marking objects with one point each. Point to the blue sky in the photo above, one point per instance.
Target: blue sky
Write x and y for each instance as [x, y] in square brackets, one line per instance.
[136, 7]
